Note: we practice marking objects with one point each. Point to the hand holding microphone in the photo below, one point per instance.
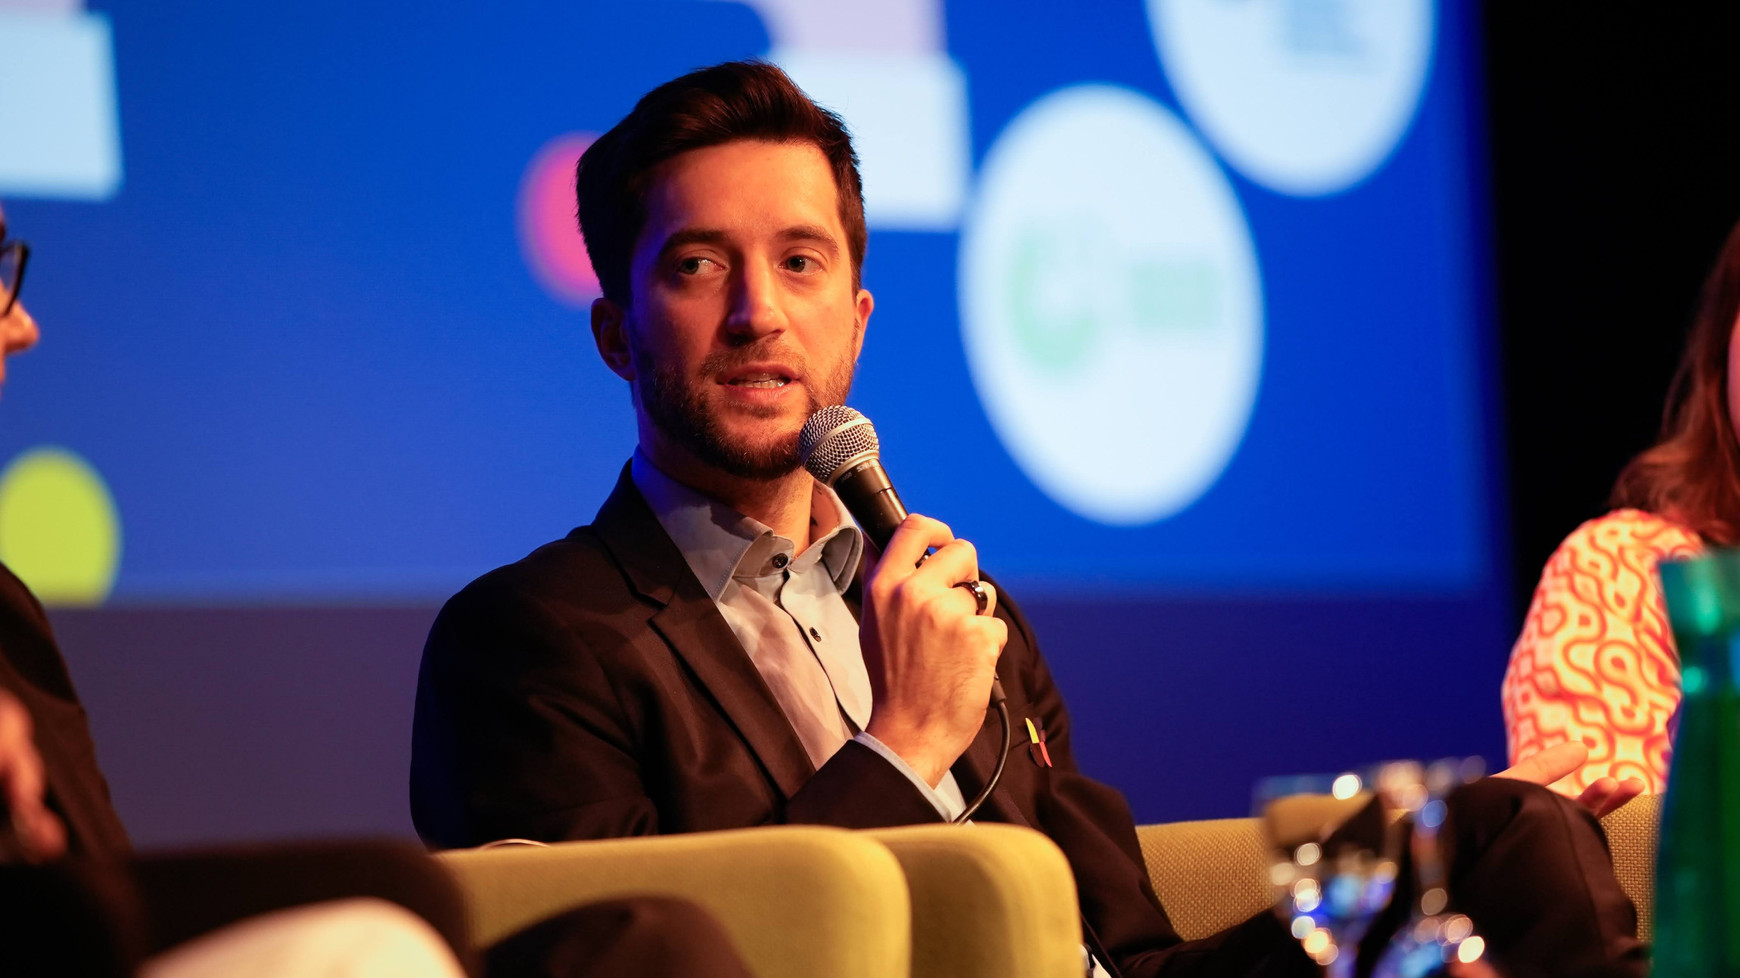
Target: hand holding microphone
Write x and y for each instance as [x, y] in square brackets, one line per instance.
[929, 635]
[840, 447]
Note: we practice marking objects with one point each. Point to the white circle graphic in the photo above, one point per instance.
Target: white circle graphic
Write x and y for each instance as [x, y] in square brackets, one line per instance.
[1306, 97]
[1110, 305]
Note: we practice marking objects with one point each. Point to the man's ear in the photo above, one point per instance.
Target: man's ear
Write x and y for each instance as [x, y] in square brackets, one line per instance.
[866, 304]
[610, 332]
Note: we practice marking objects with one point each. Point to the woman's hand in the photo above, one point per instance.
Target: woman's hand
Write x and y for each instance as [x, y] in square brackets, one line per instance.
[1551, 767]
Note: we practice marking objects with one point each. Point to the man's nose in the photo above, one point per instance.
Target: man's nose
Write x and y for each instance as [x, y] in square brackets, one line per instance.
[17, 331]
[756, 306]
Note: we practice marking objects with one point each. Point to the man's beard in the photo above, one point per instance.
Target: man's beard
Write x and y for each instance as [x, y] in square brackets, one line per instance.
[676, 406]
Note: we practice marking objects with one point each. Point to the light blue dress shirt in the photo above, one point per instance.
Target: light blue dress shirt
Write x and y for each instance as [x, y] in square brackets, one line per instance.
[787, 611]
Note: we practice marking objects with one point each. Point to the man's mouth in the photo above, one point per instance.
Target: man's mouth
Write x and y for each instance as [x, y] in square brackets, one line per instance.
[759, 378]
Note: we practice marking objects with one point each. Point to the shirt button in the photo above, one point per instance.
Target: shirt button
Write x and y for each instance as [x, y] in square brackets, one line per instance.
[780, 560]
[815, 634]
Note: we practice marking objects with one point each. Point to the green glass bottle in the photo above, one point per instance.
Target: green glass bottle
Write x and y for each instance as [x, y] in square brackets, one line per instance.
[1697, 877]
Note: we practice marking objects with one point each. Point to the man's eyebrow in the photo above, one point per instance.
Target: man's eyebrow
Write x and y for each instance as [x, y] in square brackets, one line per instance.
[811, 232]
[689, 236]
[716, 236]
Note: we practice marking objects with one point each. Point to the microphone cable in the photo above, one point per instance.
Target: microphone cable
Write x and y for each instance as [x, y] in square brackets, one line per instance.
[1002, 709]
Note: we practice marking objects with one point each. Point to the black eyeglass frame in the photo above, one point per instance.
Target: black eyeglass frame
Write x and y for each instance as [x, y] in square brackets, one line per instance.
[23, 252]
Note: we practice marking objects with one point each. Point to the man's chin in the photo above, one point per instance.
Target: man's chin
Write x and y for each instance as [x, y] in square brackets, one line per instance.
[764, 452]
[740, 440]
[764, 460]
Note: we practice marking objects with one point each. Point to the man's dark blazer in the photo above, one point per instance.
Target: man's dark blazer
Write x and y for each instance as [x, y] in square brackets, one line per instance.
[593, 690]
[31, 668]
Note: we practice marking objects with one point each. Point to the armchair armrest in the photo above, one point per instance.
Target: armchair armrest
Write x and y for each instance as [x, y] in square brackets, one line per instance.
[797, 901]
[988, 899]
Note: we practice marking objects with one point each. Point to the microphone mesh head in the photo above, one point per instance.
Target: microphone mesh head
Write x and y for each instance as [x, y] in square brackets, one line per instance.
[834, 436]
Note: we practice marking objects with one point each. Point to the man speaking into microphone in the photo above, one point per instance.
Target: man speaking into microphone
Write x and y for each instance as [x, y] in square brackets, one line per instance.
[720, 648]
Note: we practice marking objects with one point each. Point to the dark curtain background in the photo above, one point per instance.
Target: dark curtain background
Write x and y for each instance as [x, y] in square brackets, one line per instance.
[1616, 176]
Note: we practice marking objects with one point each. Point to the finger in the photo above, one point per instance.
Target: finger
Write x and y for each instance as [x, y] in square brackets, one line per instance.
[990, 590]
[987, 637]
[998, 631]
[1595, 797]
[14, 722]
[953, 563]
[1549, 764]
[991, 595]
[21, 776]
[911, 539]
[1607, 803]
[23, 780]
[1628, 789]
[1563, 786]
[41, 832]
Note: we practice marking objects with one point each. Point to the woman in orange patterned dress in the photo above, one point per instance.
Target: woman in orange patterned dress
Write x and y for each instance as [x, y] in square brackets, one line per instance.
[1595, 662]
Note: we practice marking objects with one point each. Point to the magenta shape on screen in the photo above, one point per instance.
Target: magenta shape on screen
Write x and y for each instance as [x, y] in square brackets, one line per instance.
[549, 236]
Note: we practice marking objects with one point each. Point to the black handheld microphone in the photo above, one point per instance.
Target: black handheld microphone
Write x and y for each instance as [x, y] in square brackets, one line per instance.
[840, 448]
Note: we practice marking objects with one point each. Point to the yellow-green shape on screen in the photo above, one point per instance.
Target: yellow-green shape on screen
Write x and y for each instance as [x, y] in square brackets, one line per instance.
[59, 530]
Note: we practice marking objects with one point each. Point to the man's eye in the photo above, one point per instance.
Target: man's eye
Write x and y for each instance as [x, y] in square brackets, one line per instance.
[693, 266]
[800, 263]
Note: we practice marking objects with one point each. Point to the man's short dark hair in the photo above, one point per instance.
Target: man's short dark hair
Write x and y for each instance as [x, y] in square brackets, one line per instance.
[721, 104]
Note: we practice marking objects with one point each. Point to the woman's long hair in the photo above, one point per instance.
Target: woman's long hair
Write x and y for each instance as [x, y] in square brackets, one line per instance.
[1692, 473]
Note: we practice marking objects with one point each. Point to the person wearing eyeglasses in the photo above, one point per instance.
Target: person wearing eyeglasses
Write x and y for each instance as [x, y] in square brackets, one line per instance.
[74, 901]
[17, 332]
[71, 900]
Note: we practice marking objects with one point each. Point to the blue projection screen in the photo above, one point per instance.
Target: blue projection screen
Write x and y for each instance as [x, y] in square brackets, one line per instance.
[1183, 297]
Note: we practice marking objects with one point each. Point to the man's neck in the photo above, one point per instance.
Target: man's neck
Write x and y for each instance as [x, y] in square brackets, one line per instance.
[782, 504]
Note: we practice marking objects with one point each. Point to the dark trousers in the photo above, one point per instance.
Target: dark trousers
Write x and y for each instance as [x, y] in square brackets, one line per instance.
[101, 920]
[1529, 867]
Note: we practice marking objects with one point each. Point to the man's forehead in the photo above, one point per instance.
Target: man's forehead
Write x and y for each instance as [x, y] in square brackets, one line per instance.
[743, 185]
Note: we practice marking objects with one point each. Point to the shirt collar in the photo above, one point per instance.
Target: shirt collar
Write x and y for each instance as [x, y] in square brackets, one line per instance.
[720, 543]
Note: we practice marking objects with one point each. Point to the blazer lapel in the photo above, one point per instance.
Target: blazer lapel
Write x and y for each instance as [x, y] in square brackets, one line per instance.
[691, 624]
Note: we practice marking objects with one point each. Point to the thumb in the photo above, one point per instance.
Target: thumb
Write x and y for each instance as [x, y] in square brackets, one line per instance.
[1548, 764]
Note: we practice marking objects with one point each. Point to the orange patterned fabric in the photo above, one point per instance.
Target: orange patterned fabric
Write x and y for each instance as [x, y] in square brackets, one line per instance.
[1596, 660]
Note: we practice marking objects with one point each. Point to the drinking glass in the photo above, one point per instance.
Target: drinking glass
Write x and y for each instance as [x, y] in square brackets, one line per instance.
[1432, 939]
[1328, 892]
